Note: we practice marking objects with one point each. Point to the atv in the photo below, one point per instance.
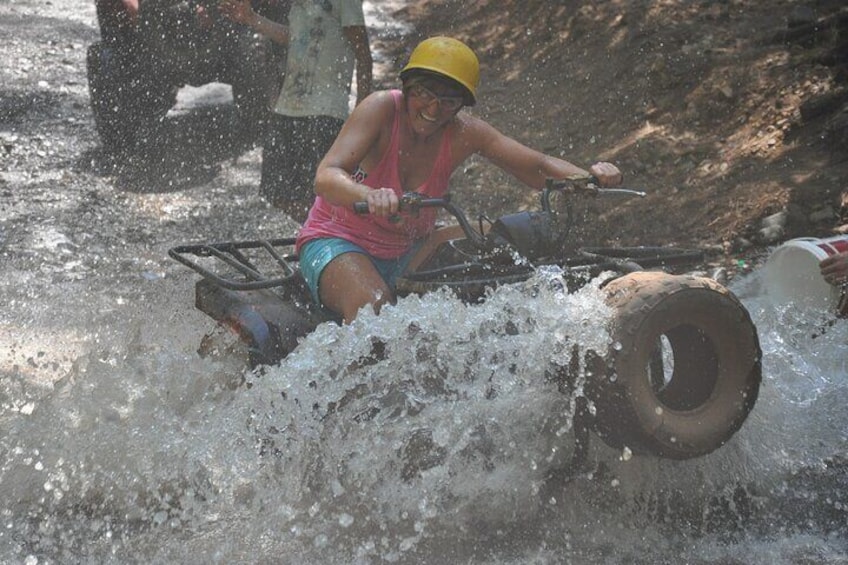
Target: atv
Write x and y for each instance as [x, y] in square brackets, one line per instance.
[149, 49]
[679, 378]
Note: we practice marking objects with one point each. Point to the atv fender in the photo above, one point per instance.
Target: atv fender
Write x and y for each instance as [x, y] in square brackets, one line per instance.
[270, 322]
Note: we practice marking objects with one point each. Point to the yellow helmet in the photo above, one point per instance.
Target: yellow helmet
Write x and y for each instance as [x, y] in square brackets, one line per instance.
[449, 57]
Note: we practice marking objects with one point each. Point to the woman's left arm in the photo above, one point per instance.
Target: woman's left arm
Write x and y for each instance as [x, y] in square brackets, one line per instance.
[529, 166]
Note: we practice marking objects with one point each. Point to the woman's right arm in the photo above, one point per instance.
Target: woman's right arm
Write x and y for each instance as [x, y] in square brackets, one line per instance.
[359, 137]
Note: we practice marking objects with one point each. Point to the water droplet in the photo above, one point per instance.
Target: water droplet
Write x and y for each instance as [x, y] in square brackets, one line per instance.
[345, 520]
[321, 540]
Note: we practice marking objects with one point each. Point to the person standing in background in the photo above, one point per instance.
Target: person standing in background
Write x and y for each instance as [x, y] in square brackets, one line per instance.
[327, 40]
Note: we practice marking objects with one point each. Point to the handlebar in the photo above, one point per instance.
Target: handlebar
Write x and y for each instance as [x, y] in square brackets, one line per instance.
[409, 202]
[412, 202]
[245, 257]
[582, 185]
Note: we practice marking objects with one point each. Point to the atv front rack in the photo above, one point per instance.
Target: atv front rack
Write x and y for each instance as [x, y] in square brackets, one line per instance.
[235, 255]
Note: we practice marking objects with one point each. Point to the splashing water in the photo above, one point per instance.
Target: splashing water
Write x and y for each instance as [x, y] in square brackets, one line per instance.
[431, 433]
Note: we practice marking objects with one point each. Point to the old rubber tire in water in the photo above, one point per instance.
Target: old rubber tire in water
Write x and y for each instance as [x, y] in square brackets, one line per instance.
[684, 368]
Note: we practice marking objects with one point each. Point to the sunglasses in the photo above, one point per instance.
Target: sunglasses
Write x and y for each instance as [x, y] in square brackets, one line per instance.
[451, 103]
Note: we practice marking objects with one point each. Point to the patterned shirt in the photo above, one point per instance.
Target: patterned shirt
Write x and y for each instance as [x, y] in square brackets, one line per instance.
[320, 61]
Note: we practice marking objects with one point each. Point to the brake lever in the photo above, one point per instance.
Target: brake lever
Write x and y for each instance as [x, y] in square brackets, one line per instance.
[573, 183]
[622, 191]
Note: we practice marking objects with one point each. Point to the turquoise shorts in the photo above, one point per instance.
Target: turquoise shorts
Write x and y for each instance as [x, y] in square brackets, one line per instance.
[316, 254]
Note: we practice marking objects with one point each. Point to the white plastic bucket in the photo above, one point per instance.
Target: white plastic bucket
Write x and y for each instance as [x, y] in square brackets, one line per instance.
[792, 273]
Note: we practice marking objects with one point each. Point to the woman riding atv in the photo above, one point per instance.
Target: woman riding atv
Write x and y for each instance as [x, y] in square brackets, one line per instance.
[682, 367]
[398, 141]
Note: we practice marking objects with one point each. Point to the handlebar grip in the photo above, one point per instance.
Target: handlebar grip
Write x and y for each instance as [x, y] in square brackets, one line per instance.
[360, 207]
[409, 202]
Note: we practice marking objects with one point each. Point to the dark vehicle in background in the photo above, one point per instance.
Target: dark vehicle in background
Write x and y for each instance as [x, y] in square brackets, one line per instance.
[149, 49]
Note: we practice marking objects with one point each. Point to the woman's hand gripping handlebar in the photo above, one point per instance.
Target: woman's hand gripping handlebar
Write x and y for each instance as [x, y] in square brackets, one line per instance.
[412, 202]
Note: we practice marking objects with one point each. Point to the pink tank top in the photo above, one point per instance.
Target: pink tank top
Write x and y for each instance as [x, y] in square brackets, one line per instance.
[379, 236]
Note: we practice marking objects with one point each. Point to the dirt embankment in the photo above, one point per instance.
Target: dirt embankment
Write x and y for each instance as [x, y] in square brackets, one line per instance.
[725, 112]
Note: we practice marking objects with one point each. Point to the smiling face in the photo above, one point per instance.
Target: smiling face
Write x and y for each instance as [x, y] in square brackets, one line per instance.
[432, 102]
